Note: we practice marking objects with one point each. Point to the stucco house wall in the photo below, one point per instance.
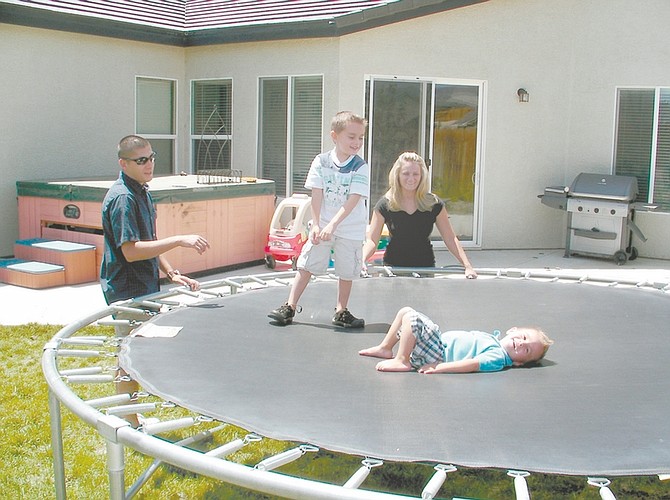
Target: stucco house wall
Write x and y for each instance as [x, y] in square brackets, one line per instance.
[68, 98]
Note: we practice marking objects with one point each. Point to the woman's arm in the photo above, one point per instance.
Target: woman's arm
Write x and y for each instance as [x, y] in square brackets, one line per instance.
[373, 234]
[452, 242]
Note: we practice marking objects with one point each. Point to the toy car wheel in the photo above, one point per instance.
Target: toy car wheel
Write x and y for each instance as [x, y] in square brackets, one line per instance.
[270, 261]
[294, 263]
[620, 258]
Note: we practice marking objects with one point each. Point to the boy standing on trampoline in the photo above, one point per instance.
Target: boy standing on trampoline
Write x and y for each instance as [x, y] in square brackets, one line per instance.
[340, 184]
[423, 347]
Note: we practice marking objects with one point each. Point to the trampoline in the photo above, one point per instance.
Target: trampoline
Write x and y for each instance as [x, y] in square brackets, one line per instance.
[596, 405]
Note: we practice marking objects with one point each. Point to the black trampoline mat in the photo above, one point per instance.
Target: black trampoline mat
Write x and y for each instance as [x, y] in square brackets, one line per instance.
[597, 405]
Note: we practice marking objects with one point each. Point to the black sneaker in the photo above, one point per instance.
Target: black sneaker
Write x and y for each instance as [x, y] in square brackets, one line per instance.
[345, 319]
[283, 314]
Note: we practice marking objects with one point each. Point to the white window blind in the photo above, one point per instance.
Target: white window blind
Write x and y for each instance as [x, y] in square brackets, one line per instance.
[291, 117]
[273, 131]
[307, 117]
[642, 146]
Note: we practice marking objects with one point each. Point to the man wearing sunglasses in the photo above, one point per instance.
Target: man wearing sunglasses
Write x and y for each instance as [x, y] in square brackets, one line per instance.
[133, 255]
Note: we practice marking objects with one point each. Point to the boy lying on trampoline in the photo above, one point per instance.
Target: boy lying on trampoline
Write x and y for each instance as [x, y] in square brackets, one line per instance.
[423, 347]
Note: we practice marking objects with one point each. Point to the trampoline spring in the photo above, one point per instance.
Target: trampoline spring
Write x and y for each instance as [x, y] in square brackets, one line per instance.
[613, 283]
[257, 280]
[119, 322]
[169, 425]
[136, 396]
[89, 370]
[108, 400]
[122, 378]
[89, 379]
[252, 437]
[78, 353]
[226, 449]
[130, 409]
[284, 458]
[362, 473]
[168, 404]
[134, 310]
[433, 486]
[282, 281]
[520, 485]
[203, 418]
[211, 294]
[602, 483]
[186, 291]
[151, 304]
[81, 341]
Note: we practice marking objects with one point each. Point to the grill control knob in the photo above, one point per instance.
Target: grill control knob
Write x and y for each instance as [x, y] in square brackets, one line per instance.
[613, 211]
[596, 210]
[580, 208]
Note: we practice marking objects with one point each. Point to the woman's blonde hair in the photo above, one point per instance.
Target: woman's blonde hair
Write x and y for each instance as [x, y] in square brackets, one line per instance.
[424, 198]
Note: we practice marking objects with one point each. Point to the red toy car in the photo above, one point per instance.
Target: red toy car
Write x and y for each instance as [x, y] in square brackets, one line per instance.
[289, 230]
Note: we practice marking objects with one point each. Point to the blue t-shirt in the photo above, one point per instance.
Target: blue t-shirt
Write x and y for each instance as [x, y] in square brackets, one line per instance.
[460, 344]
[128, 214]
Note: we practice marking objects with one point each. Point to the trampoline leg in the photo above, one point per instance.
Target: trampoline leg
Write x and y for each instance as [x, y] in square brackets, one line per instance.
[115, 469]
[57, 446]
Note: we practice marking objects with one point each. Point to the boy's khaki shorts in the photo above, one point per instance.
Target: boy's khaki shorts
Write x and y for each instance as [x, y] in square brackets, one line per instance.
[347, 254]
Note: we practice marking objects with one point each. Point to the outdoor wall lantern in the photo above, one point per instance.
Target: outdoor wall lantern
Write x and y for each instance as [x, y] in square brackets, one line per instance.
[523, 95]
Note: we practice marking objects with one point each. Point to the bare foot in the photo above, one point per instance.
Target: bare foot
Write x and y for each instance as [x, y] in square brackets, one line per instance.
[377, 352]
[393, 365]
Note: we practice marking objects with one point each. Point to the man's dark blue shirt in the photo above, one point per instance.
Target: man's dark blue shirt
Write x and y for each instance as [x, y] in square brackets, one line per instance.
[128, 215]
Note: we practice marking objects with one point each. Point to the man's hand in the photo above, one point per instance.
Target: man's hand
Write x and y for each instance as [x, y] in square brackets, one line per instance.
[198, 243]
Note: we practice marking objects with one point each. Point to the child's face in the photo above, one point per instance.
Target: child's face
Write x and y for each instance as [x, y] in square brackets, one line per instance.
[349, 140]
[523, 345]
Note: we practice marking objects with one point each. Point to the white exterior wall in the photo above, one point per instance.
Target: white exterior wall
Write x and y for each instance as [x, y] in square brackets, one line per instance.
[245, 63]
[69, 98]
[570, 55]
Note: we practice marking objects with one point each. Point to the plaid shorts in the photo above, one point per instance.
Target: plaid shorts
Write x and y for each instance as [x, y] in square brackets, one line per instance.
[429, 347]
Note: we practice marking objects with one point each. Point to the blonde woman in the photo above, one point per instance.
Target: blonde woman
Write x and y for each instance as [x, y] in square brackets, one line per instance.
[410, 211]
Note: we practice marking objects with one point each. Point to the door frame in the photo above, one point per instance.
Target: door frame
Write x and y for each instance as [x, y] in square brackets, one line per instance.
[369, 81]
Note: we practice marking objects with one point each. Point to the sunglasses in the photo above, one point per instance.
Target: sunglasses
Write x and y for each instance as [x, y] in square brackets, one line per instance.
[142, 159]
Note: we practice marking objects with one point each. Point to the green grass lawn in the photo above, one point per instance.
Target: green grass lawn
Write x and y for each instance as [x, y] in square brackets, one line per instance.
[26, 470]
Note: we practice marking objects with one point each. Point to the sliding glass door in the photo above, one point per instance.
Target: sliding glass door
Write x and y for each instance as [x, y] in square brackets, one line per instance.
[440, 120]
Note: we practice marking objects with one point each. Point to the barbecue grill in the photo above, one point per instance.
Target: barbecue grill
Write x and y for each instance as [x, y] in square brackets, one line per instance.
[601, 212]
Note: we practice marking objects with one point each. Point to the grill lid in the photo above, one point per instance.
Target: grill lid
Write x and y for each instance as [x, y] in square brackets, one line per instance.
[612, 187]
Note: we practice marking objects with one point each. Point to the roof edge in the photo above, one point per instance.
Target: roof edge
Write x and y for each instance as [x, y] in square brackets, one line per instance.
[12, 13]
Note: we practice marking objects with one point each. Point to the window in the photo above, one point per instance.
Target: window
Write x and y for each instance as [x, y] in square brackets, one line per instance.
[211, 124]
[290, 118]
[642, 147]
[155, 119]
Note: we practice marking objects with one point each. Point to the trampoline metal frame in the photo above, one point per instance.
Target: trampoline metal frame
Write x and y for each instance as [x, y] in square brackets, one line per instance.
[118, 433]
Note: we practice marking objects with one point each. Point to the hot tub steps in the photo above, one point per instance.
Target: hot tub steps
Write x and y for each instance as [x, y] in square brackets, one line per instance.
[31, 274]
[77, 259]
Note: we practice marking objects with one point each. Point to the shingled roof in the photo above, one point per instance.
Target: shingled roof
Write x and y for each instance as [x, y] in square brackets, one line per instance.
[204, 22]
